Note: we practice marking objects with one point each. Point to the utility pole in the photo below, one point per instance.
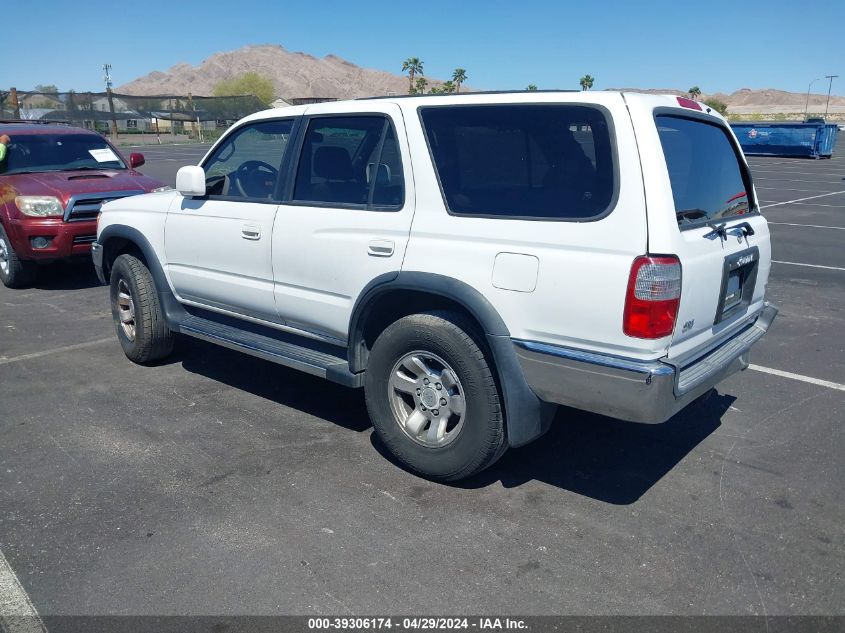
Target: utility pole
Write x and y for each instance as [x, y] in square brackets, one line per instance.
[107, 78]
[829, 86]
[807, 104]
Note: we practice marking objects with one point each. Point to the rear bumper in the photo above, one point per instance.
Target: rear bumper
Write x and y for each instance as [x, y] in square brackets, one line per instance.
[635, 390]
[65, 239]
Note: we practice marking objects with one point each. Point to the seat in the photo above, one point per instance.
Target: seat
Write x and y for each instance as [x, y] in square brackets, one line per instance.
[334, 165]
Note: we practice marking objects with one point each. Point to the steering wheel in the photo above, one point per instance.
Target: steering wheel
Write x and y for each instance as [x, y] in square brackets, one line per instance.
[251, 179]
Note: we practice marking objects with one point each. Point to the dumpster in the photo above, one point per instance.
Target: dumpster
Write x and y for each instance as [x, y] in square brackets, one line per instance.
[813, 140]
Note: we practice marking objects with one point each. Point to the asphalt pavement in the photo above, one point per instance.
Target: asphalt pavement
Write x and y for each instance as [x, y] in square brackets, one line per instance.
[216, 483]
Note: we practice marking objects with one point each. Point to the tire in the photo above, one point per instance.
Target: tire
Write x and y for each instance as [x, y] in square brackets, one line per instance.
[470, 434]
[14, 271]
[141, 328]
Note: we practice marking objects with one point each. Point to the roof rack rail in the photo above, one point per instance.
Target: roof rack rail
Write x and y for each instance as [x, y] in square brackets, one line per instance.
[452, 94]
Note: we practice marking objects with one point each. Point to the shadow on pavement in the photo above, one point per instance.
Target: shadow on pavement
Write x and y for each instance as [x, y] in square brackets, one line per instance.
[66, 276]
[592, 455]
[602, 458]
[309, 394]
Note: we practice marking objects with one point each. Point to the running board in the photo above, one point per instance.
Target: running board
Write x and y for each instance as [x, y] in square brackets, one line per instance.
[311, 361]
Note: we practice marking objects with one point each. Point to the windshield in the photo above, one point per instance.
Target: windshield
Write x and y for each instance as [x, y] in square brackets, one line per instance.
[707, 179]
[58, 152]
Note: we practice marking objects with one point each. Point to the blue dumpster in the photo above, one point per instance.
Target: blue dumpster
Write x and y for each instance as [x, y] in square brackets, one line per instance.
[813, 140]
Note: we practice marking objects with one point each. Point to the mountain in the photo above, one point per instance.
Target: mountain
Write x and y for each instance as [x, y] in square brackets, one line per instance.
[765, 101]
[302, 75]
[293, 75]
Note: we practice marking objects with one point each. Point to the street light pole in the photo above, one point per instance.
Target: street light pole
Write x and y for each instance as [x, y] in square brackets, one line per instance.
[829, 86]
[107, 79]
[807, 104]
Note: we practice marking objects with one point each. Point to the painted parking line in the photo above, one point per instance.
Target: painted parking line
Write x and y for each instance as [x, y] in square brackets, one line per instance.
[808, 204]
[774, 261]
[56, 350]
[806, 181]
[17, 615]
[792, 172]
[819, 204]
[821, 195]
[799, 377]
[786, 189]
[809, 226]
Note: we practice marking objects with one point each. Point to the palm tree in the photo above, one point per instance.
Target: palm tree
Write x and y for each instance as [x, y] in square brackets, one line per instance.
[694, 92]
[532, 87]
[449, 87]
[414, 66]
[420, 86]
[587, 82]
[459, 77]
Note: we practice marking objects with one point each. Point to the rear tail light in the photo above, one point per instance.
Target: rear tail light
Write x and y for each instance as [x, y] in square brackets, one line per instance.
[653, 296]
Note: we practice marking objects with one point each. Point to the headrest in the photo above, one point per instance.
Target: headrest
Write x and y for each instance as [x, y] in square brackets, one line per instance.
[332, 163]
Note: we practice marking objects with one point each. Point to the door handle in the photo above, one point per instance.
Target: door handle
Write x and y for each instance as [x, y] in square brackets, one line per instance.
[380, 248]
[250, 232]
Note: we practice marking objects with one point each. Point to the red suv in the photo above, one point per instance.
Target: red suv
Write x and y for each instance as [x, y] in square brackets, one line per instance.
[53, 182]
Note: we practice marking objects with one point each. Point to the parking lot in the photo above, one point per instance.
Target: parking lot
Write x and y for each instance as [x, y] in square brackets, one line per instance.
[217, 483]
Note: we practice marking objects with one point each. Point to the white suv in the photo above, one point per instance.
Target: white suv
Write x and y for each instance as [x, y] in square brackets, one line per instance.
[471, 261]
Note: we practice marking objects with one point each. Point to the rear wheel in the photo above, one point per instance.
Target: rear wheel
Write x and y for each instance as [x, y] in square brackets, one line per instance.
[14, 271]
[141, 328]
[432, 396]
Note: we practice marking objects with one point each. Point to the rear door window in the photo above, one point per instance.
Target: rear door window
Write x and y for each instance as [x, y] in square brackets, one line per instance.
[549, 162]
[350, 161]
[708, 180]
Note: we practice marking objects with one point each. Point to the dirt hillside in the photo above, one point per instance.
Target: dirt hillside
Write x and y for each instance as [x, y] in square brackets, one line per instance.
[302, 75]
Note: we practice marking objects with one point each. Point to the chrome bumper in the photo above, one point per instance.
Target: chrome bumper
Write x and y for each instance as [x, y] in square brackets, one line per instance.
[628, 389]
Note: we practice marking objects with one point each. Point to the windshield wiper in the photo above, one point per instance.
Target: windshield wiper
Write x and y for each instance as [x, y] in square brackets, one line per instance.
[88, 168]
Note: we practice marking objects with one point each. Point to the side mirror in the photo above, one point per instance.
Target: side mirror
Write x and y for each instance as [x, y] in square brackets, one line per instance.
[190, 181]
[136, 160]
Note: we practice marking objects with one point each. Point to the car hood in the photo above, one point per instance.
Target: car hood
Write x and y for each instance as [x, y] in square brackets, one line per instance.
[65, 184]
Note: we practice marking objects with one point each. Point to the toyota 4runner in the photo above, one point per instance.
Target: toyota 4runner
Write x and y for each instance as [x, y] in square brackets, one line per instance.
[53, 181]
[471, 261]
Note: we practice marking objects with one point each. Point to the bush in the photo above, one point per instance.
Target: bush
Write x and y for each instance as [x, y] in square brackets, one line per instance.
[719, 106]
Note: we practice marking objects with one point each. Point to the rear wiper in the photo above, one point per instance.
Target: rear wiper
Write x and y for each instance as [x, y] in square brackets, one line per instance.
[718, 230]
[743, 229]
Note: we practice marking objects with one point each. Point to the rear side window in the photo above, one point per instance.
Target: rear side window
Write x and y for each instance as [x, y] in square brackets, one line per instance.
[707, 179]
[548, 162]
[350, 161]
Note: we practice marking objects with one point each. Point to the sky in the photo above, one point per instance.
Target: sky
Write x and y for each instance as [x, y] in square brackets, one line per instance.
[501, 44]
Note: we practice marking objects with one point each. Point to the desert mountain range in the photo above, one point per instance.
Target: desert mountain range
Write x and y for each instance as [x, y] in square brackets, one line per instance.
[297, 74]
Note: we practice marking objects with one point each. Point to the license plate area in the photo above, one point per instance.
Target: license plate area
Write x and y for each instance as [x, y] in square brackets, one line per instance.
[739, 275]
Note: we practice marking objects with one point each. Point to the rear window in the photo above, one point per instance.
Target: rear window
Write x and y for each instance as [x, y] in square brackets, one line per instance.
[550, 162]
[708, 182]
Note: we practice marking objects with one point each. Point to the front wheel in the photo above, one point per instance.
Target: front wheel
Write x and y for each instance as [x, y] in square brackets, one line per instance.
[432, 396]
[14, 271]
[141, 328]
